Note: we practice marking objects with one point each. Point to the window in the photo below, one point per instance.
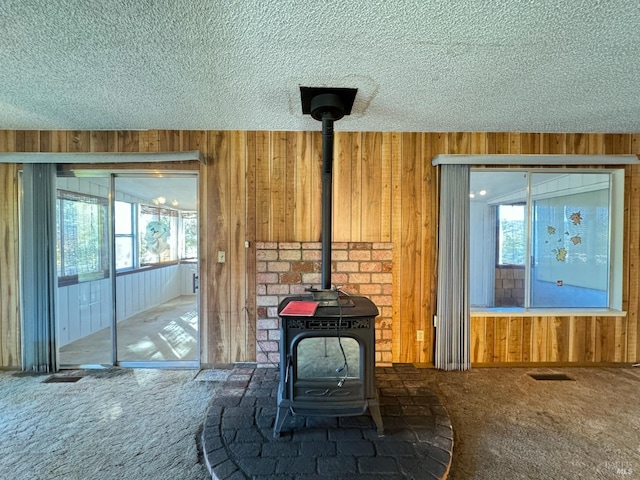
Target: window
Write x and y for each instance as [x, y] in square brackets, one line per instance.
[551, 235]
[82, 248]
[158, 234]
[124, 232]
[511, 234]
[189, 249]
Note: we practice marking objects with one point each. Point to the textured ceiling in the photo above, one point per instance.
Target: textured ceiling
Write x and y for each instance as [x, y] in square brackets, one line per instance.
[422, 65]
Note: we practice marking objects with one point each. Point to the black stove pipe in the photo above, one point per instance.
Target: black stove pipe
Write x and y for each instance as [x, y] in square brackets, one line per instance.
[327, 188]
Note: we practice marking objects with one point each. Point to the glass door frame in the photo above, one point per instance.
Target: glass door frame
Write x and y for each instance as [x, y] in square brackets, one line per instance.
[192, 364]
[111, 175]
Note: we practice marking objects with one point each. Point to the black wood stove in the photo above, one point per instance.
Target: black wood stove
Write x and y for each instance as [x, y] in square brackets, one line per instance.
[327, 357]
[327, 361]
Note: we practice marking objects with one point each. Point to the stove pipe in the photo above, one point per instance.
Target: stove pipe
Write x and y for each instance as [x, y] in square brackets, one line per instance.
[327, 105]
[327, 188]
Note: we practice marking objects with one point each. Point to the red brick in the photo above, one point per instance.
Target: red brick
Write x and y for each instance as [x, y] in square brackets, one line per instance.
[290, 277]
[360, 246]
[261, 267]
[311, 245]
[351, 289]
[272, 313]
[381, 278]
[370, 289]
[360, 278]
[261, 289]
[387, 266]
[289, 245]
[381, 300]
[311, 255]
[339, 278]
[339, 246]
[266, 245]
[267, 278]
[382, 255]
[267, 255]
[302, 266]
[340, 255]
[279, 266]
[298, 289]
[382, 246]
[261, 312]
[290, 254]
[278, 289]
[370, 267]
[360, 255]
[387, 289]
[347, 266]
[311, 278]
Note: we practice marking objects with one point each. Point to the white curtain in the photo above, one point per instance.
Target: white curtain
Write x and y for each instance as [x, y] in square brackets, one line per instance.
[453, 318]
[39, 272]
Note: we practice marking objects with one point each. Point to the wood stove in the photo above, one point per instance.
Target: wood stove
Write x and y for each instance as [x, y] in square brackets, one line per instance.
[327, 360]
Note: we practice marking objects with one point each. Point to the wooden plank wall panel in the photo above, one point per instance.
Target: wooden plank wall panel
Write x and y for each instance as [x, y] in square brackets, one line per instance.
[342, 187]
[410, 246]
[303, 161]
[237, 168]
[371, 174]
[394, 150]
[217, 238]
[10, 351]
[265, 186]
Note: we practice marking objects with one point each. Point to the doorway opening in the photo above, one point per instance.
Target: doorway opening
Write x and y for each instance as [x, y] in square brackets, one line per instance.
[127, 255]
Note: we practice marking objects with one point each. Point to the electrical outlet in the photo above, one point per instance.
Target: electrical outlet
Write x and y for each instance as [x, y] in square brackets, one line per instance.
[420, 335]
[221, 257]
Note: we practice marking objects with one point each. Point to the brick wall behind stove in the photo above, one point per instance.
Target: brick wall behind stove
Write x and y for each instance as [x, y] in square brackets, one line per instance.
[285, 269]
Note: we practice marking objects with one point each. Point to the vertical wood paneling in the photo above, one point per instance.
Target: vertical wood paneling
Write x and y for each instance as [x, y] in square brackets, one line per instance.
[410, 245]
[386, 187]
[278, 186]
[342, 187]
[237, 168]
[217, 238]
[266, 186]
[304, 176]
[291, 163]
[429, 231]
[9, 262]
[395, 151]
[371, 187]
[249, 307]
[355, 171]
[263, 187]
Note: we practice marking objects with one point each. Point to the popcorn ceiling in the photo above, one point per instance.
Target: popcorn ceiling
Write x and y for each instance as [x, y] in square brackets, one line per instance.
[502, 65]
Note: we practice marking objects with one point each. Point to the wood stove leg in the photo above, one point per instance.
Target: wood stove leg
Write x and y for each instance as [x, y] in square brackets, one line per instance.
[281, 414]
[374, 410]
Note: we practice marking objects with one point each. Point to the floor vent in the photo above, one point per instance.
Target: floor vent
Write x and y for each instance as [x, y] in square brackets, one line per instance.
[550, 376]
[61, 379]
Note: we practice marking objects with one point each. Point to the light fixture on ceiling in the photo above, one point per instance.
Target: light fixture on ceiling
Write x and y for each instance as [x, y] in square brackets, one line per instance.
[159, 200]
[175, 202]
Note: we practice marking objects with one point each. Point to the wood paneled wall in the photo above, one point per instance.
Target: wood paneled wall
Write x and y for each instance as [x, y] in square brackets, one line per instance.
[265, 186]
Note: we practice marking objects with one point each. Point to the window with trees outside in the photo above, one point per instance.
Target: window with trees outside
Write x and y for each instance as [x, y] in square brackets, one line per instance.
[82, 249]
[545, 238]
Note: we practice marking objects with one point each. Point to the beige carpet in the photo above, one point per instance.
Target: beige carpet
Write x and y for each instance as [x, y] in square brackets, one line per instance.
[144, 424]
[112, 424]
[508, 426]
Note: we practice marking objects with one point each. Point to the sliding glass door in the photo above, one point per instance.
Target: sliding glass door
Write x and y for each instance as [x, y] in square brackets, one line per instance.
[85, 296]
[127, 270]
[156, 269]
